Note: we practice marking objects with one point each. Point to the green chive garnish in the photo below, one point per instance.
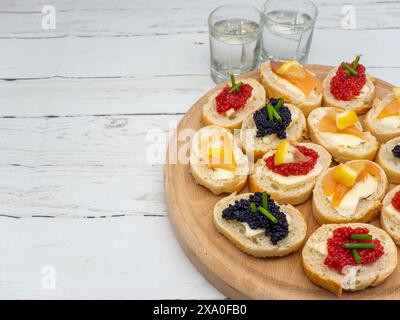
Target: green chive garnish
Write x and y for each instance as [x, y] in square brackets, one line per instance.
[267, 214]
[361, 237]
[270, 112]
[233, 79]
[359, 245]
[253, 207]
[236, 87]
[279, 104]
[356, 256]
[265, 200]
[355, 63]
[276, 115]
[349, 69]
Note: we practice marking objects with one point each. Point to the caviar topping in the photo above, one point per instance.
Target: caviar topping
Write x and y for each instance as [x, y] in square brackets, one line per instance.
[294, 168]
[349, 80]
[396, 151]
[233, 97]
[275, 120]
[248, 210]
[396, 201]
[352, 246]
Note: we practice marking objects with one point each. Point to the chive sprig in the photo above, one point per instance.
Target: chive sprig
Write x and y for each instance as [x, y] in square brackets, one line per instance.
[352, 69]
[264, 209]
[361, 237]
[235, 86]
[273, 111]
[356, 256]
[352, 245]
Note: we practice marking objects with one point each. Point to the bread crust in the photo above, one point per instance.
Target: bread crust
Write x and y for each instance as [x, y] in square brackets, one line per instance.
[276, 90]
[367, 209]
[372, 124]
[386, 160]
[341, 154]
[359, 105]
[292, 243]
[295, 133]
[212, 117]
[371, 275]
[295, 195]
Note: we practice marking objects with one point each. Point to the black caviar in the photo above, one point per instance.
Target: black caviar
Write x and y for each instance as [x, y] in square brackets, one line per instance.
[396, 151]
[265, 126]
[241, 211]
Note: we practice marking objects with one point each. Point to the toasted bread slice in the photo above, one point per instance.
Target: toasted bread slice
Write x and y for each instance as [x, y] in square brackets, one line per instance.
[218, 180]
[258, 146]
[234, 121]
[367, 208]
[341, 153]
[356, 277]
[300, 191]
[383, 129]
[390, 217]
[360, 104]
[261, 246]
[277, 87]
[389, 163]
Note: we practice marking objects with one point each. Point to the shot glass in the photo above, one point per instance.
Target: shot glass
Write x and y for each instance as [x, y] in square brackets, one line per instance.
[235, 40]
[288, 29]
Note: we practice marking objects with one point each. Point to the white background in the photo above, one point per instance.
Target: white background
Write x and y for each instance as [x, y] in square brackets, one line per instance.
[76, 104]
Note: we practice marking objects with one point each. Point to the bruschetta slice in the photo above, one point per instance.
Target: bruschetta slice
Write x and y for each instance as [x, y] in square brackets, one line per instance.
[383, 120]
[349, 192]
[262, 130]
[348, 87]
[217, 161]
[258, 226]
[288, 173]
[349, 257]
[388, 157]
[292, 82]
[390, 215]
[341, 133]
[229, 106]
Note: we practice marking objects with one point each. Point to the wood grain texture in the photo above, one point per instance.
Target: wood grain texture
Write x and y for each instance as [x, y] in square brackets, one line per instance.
[235, 273]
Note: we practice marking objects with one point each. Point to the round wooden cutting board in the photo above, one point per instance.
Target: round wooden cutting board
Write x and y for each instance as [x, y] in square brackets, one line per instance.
[233, 272]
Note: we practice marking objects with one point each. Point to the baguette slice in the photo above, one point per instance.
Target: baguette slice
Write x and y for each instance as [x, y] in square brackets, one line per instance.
[365, 150]
[256, 101]
[299, 193]
[261, 246]
[367, 275]
[360, 104]
[212, 179]
[257, 147]
[277, 87]
[378, 128]
[390, 217]
[367, 208]
[389, 163]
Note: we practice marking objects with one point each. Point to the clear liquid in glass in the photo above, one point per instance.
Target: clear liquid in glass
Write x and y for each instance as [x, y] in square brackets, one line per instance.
[235, 47]
[287, 35]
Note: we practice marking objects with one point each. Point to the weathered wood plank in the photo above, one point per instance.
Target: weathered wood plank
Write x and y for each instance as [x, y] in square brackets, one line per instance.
[140, 18]
[83, 166]
[183, 54]
[113, 258]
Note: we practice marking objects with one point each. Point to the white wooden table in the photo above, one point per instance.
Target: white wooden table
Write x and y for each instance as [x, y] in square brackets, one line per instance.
[82, 210]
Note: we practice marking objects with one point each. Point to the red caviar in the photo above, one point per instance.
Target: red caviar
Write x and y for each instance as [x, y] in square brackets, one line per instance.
[234, 100]
[294, 168]
[396, 201]
[345, 86]
[339, 257]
